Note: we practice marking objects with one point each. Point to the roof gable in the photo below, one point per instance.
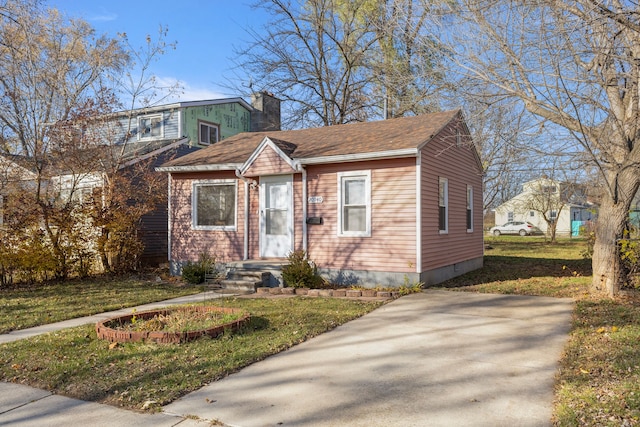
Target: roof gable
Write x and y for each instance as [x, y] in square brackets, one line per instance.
[271, 157]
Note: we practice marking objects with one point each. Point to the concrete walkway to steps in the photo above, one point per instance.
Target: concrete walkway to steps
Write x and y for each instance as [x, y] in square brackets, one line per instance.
[436, 358]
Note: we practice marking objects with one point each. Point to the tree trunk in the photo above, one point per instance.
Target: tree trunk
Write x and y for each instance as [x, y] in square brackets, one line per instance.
[608, 274]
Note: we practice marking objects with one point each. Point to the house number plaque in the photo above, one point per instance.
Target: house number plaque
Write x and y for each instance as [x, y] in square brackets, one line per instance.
[316, 199]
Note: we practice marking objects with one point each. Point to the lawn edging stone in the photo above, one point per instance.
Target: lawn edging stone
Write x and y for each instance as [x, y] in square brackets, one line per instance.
[335, 293]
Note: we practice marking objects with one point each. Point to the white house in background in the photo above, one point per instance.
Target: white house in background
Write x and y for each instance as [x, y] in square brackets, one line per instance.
[566, 203]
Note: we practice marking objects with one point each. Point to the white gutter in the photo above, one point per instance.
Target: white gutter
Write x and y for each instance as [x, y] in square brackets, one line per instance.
[169, 220]
[247, 185]
[343, 158]
[200, 168]
[418, 214]
[300, 168]
[379, 155]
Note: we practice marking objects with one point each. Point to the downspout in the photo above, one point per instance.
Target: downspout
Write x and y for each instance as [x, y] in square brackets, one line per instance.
[170, 177]
[247, 185]
[303, 171]
[419, 213]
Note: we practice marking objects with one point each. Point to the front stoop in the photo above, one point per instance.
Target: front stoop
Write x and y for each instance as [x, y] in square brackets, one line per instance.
[245, 280]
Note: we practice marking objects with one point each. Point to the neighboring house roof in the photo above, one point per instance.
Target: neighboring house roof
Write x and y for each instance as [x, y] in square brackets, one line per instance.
[577, 198]
[94, 158]
[165, 107]
[16, 168]
[358, 141]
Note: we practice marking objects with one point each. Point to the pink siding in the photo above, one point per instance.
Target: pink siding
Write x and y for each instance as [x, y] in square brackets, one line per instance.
[186, 243]
[297, 211]
[392, 245]
[268, 162]
[443, 158]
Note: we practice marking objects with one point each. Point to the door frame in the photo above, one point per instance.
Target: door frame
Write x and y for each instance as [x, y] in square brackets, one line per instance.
[284, 179]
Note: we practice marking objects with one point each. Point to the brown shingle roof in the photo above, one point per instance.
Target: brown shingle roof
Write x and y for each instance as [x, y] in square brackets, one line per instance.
[340, 140]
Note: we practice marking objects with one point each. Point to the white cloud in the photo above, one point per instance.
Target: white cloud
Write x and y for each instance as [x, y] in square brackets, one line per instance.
[102, 16]
[186, 91]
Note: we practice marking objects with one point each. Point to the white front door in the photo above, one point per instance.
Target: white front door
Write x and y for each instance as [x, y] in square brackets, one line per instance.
[276, 216]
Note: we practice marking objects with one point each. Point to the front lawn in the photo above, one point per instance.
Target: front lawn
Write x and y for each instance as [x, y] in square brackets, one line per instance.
[75, 363]
[598, 383]
[24, 307]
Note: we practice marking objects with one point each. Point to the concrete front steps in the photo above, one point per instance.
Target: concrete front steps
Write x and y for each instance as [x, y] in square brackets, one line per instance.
[247, 276]
[245, 280]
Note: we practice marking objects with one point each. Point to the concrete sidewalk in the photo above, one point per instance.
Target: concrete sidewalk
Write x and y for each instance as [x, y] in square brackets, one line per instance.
[436, 358]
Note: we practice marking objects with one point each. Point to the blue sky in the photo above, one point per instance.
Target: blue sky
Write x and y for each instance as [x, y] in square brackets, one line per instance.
[205, 31]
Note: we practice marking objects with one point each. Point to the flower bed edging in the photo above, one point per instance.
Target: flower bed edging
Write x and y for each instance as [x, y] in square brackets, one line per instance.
[113, 335]
[349, 293]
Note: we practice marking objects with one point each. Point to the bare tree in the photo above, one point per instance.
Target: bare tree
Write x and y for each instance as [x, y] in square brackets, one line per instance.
[503, 138]
[341, 61]
[575, 64]
[59, 85]
[50, 66]
[405, 64]
[549, 197]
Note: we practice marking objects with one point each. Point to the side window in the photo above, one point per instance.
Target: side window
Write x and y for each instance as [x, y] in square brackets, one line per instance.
[208, 133]
[443, 205]
[469, 208]
[150, 127]
[214, 205]
[510, 217]
[354, 206]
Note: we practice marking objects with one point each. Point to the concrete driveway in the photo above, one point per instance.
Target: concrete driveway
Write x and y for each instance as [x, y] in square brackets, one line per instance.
[436, 358]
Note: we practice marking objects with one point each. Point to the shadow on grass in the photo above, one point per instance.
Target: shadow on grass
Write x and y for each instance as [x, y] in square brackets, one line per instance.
[502, 268]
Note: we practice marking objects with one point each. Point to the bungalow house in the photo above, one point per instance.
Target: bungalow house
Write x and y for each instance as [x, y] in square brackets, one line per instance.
[375, 203]
[564, 203]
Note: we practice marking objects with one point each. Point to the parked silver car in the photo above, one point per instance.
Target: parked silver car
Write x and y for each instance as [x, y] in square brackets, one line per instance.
[515, 227]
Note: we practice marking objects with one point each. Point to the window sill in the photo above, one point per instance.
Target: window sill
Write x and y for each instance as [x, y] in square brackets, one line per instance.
[214, 228]
[354, 235]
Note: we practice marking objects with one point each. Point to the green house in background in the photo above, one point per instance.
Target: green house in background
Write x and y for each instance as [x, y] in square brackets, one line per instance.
[166, 132]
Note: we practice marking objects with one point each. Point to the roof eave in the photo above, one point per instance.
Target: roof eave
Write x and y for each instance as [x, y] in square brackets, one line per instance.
[359, 157]
[200, 168]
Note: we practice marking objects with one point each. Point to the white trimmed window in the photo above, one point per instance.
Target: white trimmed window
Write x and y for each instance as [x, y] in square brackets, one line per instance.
[214, 205]
[150, 127]
[509, 216]
[208, 133]
[469, 209]
[443, 205]
[354, 206]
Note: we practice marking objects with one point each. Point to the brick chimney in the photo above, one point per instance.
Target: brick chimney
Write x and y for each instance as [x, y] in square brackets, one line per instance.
[266, 112]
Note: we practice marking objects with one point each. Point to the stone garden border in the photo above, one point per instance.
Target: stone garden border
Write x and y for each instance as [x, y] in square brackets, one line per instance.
[339, 293]
[113, 335]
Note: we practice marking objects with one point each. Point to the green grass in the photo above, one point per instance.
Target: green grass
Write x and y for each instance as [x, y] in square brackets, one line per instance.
[529, 266]
[75, 363]
[22, 307]
[599, 379]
